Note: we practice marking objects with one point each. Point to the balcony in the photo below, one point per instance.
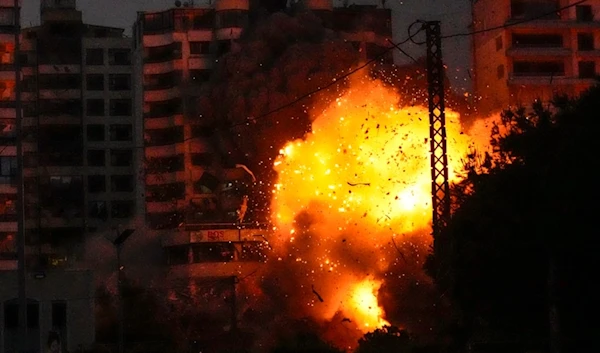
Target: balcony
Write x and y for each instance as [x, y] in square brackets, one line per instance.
[538, 51]
[545, 79]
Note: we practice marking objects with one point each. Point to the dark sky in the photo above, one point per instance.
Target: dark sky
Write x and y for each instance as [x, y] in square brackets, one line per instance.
[454, 14]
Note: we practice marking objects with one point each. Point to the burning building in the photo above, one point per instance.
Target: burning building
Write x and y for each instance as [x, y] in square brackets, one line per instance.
[197, 184]
[556, 52]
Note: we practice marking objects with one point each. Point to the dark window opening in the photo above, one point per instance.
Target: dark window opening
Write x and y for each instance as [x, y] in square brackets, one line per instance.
[58, 107]
[163, 53]
[120, 107]
[202, 159]
[177, 255]
[498, 43]
[167, 136]
[584, 13]
[500, 71]
[199, 76]
[164, 220]
[11, 315]
[95, 82]
[121, 132]
[162, 81]
[121, 208]
[585, 41]
[95, 133]
[96, 184]
[213, 252]
[587, 69]
[119, 56]
[223, 46]
[33, 315]
[169, 164]
[8, 170]
[165, 192]
[59, 314]
[204, 20]
[202, 131]
[96, 158]
[98, 210]
[59, 81]
[539, 68]
[121, 183]
[121, 157]
[200, 48]
[165, 108]
[158, 22]
[520, 9]
[94, 107]
[119, 82]
[537, 40]
[94, 56]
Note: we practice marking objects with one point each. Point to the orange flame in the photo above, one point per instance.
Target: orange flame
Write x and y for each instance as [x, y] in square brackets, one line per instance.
[363, 177]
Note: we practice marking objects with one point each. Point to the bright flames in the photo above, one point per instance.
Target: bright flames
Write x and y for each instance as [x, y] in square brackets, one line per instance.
[360, 181]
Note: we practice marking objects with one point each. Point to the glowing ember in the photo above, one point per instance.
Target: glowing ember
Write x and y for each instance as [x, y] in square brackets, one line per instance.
[358, 181]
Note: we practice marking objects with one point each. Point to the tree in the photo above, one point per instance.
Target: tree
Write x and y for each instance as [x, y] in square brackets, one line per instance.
[520, 239]
[386, 339]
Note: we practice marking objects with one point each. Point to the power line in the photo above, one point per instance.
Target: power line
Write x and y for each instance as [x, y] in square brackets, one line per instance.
[517, 22]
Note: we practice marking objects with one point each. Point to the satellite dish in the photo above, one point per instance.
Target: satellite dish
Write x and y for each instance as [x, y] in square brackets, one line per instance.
[178, 3]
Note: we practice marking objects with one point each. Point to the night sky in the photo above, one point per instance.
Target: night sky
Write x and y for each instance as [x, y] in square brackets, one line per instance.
[454, 14]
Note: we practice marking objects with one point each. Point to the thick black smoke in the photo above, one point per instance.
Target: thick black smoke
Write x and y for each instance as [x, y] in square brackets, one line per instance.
[281, 59]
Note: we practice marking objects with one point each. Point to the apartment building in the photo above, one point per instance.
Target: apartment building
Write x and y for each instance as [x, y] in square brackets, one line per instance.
[533, 56]
[8, 151]
[79, 141]
[58, 299]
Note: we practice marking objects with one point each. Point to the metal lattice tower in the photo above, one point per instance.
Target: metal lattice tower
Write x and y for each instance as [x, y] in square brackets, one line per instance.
[437, 128]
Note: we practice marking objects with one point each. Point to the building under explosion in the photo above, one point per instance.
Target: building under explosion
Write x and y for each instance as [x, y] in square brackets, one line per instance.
[196, 190]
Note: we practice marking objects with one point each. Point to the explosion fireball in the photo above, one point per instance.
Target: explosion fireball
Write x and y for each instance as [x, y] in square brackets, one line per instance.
[357, 183]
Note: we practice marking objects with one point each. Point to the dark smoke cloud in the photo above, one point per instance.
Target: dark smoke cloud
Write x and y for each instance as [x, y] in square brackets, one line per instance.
[278, 61]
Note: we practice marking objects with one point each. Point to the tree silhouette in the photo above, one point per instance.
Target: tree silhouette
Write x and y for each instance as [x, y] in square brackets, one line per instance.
[520, 239]
[386, 339]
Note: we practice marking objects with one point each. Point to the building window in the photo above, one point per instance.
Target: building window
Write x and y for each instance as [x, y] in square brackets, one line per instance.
[500, 71]
[585, 41]
[158, 22]
[97, 210]
[584, 13]
[587, 69]
[520, 9]
[121, 157]
[95, 133]
[120, 107]
[121, 183]
[8, 169]
[163, 53]
[94, 107]
[171, 164]
[539, 68]
[162, 81]
[96, 158]
[94, 56]
[161, 137]
[177, 255]
[96, 184]
[199, 48]
[59, 315]
[33, 314]
[213, 252]
[95, 82]
[164, 108]
[119, 56]
[119, 82]
[199, 76]
[537, 40]
[59, 81]
[498, 43]
[165, 192]
[121, 132]
[121, 208]
[202, 159]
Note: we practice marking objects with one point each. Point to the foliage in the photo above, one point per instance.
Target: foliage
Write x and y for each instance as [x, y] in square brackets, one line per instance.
[305, 343]
[386, 339]
[522, 215]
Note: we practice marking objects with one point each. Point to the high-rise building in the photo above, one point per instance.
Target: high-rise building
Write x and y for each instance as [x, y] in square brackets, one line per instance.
[59, 300]
[79, 134]
[537, 51]
[191, 202]
[8, 151]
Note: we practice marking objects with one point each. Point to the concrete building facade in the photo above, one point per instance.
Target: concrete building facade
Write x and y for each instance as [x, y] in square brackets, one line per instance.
[532, 56]
[79, 135]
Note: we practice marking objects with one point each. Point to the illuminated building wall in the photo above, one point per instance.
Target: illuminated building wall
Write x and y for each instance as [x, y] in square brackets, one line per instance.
[558, 53]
